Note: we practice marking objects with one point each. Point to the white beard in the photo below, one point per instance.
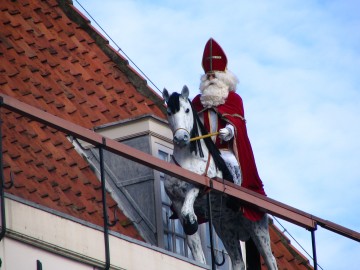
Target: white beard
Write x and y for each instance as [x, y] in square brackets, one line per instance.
[213, 92]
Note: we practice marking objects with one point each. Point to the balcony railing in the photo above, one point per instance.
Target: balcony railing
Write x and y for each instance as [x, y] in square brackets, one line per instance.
[271, 206]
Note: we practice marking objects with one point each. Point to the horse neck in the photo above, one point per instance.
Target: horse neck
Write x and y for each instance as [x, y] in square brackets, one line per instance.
[194, 162]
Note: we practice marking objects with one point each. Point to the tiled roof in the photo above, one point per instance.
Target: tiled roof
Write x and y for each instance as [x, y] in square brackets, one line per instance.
[287, 256]
[52, 58]
[48, 61]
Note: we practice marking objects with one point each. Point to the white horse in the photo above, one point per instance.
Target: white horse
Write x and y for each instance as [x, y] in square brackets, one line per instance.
[202, 157]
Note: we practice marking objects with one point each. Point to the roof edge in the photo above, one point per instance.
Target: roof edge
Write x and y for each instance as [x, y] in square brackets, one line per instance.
[287, 244]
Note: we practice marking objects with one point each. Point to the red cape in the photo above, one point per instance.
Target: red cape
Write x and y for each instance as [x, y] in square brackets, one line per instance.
[233, 112]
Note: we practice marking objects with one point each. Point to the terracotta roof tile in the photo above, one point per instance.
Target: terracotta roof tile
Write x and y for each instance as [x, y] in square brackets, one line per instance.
[48, 171]
[287, 256]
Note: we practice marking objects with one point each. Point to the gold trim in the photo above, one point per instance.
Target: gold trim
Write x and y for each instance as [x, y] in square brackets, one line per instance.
[235, 115]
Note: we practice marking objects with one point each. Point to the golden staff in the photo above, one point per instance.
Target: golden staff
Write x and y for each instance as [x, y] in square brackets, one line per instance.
[204, 136]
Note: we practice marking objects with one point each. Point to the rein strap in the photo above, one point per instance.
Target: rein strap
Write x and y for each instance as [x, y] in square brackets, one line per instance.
[204, 136]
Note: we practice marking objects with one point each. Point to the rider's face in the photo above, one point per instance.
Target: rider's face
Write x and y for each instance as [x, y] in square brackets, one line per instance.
[210, 76]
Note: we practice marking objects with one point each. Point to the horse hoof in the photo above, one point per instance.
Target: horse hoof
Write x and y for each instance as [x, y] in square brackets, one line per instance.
[190, 228]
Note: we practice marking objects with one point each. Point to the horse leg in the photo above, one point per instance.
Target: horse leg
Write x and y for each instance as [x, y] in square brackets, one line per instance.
[187, 212]
[260, 234]
[253, 260]
[228, 236]
[193, 241]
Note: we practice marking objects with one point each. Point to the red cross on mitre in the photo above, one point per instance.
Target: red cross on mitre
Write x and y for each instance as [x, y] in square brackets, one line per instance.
[214, 58]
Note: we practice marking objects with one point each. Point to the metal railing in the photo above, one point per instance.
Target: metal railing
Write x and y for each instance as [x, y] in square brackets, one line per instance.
[271, 206]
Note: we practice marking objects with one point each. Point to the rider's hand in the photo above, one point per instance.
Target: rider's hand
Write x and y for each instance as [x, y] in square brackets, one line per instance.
[226, 133]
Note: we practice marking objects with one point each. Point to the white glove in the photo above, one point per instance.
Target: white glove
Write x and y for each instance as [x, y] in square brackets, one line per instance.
[226, 133]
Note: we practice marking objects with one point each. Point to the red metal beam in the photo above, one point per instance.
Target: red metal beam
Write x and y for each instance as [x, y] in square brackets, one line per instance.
[266, 204]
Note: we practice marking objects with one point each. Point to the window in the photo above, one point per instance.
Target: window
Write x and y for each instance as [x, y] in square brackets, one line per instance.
[218, 248]
[174, 236]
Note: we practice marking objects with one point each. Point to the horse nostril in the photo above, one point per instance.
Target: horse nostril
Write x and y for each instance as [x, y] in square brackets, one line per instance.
[186, 137]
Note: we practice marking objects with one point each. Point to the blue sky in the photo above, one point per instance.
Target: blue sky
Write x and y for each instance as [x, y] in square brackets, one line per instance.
[298, 63]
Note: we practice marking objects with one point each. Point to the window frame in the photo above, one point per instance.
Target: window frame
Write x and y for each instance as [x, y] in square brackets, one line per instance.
[173, 230]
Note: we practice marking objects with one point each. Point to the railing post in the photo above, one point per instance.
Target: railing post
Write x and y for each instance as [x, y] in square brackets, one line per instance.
[213, 266]
[314, 248]
[38, 265]
[214, 261]
[106, 221]
[2, 181]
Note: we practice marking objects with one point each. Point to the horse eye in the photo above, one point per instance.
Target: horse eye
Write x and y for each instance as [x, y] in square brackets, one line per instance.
[187, 110]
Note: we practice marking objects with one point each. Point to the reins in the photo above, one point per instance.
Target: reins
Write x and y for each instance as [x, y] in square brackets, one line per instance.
[204, 136]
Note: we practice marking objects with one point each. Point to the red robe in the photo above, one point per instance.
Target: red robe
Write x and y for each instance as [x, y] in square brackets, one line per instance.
[232, 111]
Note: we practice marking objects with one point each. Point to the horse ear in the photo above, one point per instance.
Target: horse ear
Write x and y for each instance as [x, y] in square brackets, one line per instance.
[185, 92]
[165, 95]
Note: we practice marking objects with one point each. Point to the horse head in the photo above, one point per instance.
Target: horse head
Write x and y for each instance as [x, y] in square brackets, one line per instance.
[180, 116]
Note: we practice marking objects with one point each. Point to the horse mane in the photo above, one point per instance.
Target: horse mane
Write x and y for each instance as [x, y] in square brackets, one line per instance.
[174, 102]
[195, 145]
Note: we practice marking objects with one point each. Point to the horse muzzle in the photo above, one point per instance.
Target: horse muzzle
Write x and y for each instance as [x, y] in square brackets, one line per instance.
[181, 140]
[181, 137]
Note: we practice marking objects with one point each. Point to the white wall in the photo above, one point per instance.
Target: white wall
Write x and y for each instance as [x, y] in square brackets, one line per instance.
[16, 255]
[60, 243]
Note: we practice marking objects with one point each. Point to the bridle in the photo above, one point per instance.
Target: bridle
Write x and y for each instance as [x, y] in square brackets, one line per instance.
[176, 130]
